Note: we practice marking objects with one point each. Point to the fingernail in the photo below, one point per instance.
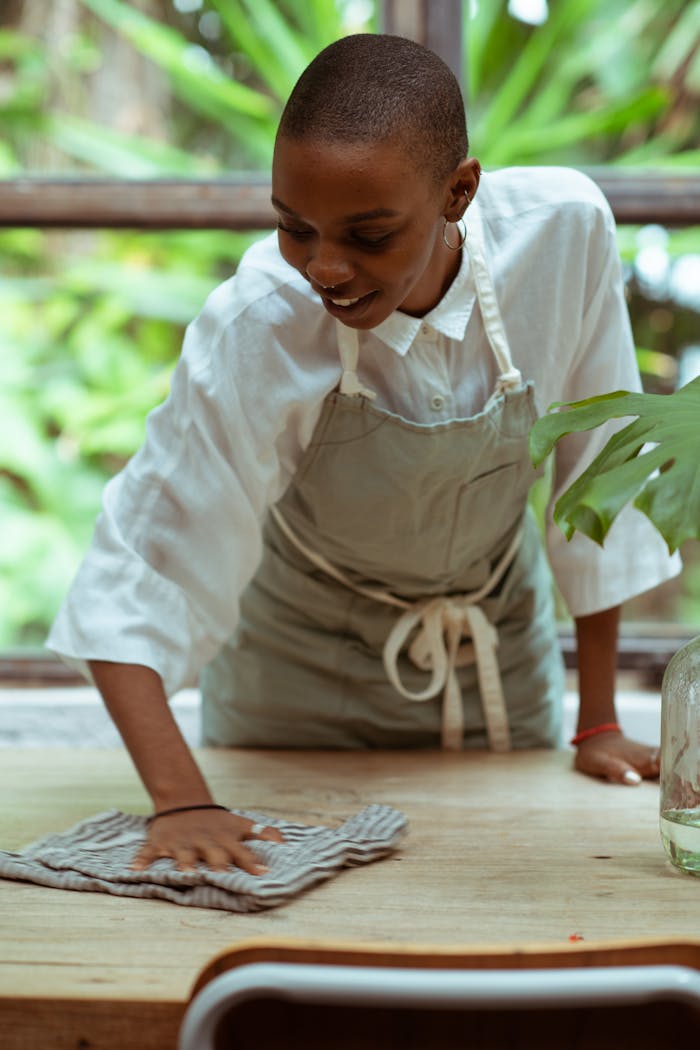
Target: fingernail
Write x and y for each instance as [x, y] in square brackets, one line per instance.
[260, 869]
[631, 777]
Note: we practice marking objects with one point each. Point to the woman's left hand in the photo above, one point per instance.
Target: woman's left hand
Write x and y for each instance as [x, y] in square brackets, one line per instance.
[618, 759]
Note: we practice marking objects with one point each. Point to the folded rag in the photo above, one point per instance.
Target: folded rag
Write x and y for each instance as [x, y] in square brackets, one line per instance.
[96, 854]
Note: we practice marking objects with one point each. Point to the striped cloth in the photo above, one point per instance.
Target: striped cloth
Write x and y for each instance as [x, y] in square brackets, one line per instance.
[96, 854]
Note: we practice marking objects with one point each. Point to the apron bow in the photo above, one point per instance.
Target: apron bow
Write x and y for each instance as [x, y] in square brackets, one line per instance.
[441, 625]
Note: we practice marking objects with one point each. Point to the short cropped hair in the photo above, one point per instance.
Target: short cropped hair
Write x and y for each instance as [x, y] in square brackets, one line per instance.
[372, 87]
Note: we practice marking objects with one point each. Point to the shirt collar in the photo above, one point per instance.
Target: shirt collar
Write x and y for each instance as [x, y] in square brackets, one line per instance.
[449, 317]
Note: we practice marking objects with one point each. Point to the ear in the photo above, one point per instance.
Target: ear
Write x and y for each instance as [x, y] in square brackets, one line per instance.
[462, 186]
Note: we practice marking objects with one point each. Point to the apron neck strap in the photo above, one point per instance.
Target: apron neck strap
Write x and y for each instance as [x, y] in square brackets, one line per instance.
[349, 352]
[509, 376]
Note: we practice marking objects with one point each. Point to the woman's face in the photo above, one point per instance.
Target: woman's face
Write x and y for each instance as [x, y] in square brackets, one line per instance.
[364, 226]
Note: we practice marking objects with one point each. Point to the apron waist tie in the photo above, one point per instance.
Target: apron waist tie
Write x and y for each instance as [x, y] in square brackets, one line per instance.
[436, 647]
[443, 622]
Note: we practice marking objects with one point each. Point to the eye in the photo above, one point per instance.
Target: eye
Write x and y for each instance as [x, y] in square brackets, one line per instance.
[298, 235]
[368, 240]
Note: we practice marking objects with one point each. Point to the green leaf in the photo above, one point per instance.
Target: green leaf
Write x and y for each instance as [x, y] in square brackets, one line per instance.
[654, 363]
[482, 21]
[9, 165]
[680, 45]
[527, 142]
[649, 154]
[324, 21]
[246, 38]
[245, 113]
[654, 462]
[499, 118]
[16, 45]
[293, 52]
[127, 156]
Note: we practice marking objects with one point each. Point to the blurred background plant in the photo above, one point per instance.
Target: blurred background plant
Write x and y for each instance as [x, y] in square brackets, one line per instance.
[92, 322]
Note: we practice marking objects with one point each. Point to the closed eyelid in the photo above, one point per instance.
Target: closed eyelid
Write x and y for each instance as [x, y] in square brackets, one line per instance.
[371, 239]
[372, 231]
[348, 220]
[299, 229]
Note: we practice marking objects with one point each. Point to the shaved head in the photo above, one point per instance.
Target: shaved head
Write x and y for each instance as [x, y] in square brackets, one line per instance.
[371, 87]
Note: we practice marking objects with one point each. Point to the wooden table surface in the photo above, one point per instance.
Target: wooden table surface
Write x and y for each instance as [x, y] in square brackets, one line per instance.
[509, 851]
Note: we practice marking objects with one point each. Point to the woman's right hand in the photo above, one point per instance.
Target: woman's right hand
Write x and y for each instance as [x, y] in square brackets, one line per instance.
[135, 698]
[214, 838]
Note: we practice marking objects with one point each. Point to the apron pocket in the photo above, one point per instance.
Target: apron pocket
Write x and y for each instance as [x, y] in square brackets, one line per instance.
[487, 510]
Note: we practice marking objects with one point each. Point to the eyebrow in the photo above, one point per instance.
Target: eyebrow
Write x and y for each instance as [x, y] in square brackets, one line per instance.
[360, 216]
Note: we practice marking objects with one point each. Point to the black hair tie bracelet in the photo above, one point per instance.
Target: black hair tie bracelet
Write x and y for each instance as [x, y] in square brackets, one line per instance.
[184, 809]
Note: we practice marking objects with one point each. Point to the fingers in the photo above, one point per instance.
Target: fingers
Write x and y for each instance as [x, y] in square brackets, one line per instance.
[265, 832]
[214, 840]
[146, 856]
[610, 768]
[617, 759]
[218, 858]
[644, 761]
[620, 772]
[209, 854]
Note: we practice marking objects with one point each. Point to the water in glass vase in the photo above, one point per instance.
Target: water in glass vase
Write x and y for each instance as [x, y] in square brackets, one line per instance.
[680, 833]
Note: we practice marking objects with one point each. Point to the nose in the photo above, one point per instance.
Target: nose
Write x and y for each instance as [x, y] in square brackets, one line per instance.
[327, 267]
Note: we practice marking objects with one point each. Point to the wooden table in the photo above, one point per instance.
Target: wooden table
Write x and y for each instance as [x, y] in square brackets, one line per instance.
[502, 851]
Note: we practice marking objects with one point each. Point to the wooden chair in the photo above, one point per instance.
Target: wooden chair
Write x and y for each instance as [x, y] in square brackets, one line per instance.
[270, 996]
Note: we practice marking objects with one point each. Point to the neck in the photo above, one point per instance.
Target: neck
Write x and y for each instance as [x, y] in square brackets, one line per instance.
[444, 268]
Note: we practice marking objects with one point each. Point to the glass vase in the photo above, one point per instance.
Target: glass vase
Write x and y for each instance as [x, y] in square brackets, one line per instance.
[680, 758]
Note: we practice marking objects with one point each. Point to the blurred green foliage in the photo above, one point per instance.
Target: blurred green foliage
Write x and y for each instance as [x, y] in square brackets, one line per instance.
[601, 81]
[91, 328]
[92, 323]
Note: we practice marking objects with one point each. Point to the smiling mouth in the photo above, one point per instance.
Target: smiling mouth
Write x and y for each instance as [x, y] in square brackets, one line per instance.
[347, 304]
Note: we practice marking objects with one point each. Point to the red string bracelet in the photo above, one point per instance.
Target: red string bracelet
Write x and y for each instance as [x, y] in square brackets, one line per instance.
[606, 727]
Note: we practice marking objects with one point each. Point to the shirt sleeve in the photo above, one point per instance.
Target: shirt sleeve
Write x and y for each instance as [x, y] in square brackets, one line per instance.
[634, 557]
[179, 535]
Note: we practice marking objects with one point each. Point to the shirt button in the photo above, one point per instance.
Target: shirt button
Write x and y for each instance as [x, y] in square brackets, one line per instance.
[437, 402]
[427, 332]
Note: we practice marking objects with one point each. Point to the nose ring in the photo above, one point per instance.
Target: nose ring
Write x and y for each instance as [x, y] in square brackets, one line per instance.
[325, 287]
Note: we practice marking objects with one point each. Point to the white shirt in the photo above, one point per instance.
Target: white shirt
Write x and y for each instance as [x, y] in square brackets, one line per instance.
[179, 536]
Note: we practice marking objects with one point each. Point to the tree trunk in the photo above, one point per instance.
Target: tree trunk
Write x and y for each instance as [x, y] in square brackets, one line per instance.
[126, 92]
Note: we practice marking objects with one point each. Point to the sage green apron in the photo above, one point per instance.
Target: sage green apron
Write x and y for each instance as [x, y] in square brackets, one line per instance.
[403, 599]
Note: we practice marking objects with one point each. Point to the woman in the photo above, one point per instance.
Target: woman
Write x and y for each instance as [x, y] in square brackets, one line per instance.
[330, 508]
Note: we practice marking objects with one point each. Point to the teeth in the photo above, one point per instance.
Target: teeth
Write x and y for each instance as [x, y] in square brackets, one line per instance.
[346, 302]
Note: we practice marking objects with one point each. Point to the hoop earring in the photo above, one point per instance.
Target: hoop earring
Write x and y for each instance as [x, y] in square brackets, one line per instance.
[461, 233]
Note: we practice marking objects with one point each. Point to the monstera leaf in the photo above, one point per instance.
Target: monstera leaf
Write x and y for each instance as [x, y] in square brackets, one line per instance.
[654, 461]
